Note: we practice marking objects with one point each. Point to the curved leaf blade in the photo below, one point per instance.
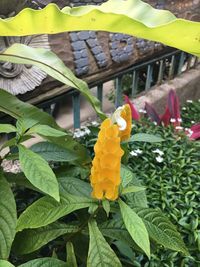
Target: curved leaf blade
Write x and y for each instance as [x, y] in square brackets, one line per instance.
[7, 128]
[52, 65]
[38, 172]
[142, 137]
[71, 258]
[44, 262]
[5, 264]
[46, 131]
[133, 17]
[46, 210]
[53, 152]
[8, 218]
[161, 230]
[31, 240]
[100, 253]
[135, 227]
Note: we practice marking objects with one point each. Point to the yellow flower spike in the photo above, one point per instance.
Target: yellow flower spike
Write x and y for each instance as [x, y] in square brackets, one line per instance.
[127, 116]
[105, 173]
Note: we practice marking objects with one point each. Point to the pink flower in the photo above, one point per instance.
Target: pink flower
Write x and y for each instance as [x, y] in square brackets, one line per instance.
[135, 114]
[171, 114]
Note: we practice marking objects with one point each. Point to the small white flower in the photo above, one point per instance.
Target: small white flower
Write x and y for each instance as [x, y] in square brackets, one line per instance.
[133, 153]
[138, 151]
[179, 128]
[179, 120]
[199, 100]
[94, 123]
[172, 120]
[158, 151]
[159, 159]
[142, 111]
[184, 108]
[155, 123]
[193, 122]
[189, 101]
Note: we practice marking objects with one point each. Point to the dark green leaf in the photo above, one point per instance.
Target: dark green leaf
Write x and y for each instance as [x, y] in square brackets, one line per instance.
[30, 240]
[8, 218]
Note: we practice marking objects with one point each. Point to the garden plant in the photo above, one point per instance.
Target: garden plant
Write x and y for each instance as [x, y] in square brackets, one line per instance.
[70, 206]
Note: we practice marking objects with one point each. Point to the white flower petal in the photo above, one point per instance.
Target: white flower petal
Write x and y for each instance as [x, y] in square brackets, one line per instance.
[116, 118]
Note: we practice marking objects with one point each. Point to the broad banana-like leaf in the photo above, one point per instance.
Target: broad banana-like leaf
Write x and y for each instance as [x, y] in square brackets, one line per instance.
[133, 17]
[52, 65]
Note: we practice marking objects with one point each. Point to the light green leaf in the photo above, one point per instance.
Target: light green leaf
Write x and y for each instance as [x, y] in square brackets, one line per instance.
[46, 131]
[5, 264]
[44, 262]
[126, 175]
[142, 137]
[30, 240]
[8, 218]
[53, 152]
[133, 17]
[132, 189]
[7, 128]
[106, 206]
[46, 210]
[52, 65]
[135, 227]
[71, 258]
[137, 199]
[38, 172]
[100, 253]
[161, 230]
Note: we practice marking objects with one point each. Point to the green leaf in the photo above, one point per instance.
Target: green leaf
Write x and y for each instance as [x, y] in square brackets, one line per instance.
[74, 186]
[19, 179]
[132, 189]
[116, 230]
[71, 258]
[137, 199]
[100, 253]
[161, 230]
[142, 137]
[5, 264]
[28, 115]
[30, 240]
[44, 262]
[46, 210]
[7, 128]
[126, 175]
[52, 65]
[53, 152]
[132, 17]
[17, 109]
[38, 172]
[8, 218]
[46, 131]
[135, 227]
[106, 206]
